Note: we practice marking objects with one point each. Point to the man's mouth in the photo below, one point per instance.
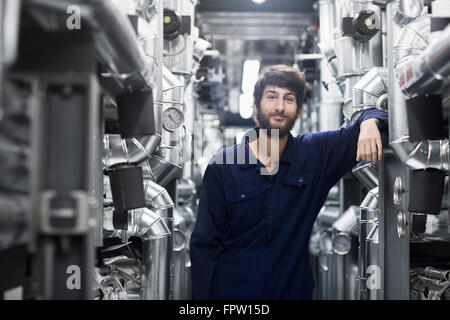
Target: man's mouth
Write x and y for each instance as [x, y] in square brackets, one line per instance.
[278, 117]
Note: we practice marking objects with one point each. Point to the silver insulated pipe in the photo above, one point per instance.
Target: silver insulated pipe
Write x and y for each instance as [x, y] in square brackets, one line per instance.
[368, 229]
[427, 154]
[157, 252]
[368, 235]
[345, 229]
[430, 70]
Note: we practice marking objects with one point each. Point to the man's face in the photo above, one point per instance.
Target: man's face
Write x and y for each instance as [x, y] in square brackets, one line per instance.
[278, 110]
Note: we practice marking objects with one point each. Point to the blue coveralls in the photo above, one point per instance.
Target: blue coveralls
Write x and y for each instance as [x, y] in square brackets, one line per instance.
[252, 231]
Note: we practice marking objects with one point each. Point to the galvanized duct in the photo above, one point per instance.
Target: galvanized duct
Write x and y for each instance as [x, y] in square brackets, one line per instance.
[367, 174]
[408, 10]
[352, 58]
[329, 113]
[143, 223]
[345, 228]
[154, 227]
[137, 150]
[10, 18]
[157, 253]
[119, 151]
[157, 197]
[117, 43]
[368, 235]
[427, 154]
[430, 70]
[328, 215]
[347, 223]
[184, 220]
[368, 90]
[367, 226]
[326, 267]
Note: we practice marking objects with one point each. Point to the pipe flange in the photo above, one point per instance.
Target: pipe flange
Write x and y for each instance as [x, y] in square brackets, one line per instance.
[342, 243]
[398, 191]
[402, 223]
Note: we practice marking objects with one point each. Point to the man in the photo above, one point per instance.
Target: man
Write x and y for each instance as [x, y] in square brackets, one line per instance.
[252, 231]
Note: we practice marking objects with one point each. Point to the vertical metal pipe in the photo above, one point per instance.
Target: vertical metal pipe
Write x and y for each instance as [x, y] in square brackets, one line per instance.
[330, 110]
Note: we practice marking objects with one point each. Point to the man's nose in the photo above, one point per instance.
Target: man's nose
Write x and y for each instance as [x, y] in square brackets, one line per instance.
[279, 106]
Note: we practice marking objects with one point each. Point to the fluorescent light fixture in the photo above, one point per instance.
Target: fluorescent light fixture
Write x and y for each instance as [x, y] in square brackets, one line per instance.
[245, 105]
[259, 1]
[250, 76]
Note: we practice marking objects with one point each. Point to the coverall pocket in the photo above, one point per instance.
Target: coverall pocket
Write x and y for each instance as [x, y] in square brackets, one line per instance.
[247, 209]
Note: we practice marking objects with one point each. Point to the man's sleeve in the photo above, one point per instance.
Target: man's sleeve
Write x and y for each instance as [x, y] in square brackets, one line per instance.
[206, 239]
[339, 147]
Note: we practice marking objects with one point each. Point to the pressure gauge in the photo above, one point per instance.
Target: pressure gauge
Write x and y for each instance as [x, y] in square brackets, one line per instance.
[342, 243]
[172, 119]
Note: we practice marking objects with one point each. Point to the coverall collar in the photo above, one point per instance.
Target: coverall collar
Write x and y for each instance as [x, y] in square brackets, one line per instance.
[288, 154]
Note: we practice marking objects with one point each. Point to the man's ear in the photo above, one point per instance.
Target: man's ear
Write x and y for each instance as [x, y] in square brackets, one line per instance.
[299, 113]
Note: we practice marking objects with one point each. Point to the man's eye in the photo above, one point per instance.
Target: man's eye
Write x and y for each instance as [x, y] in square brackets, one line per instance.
[271, 97]
[289, 99]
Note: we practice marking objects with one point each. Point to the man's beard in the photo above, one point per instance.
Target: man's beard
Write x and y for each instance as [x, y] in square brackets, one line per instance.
[264, 123]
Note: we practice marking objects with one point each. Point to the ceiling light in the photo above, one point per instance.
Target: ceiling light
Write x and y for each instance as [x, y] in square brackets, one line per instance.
[250, 75]
[259, 1]
[245, 106]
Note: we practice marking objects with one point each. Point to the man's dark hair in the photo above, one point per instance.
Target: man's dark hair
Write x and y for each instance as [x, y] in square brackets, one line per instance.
[281, 76]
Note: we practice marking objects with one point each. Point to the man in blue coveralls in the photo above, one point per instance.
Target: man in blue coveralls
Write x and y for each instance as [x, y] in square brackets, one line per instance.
[256, 212]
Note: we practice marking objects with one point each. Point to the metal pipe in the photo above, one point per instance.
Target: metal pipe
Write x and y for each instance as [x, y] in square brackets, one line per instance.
[157, 196]
[117, 43]
[328, 215]
[10, 20]
[427, 154]
[155, 270]
[443, 275]
[331, 108]
[430, 70]
[157, 253]
[367, 174]
[408, 10]
[369, 88]
[348, 221]
[368, 219]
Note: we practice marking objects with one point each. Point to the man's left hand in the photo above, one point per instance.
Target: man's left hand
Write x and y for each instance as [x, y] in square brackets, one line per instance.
[369, 142]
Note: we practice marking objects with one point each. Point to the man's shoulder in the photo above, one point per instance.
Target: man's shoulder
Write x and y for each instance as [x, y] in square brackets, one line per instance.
[308, 139]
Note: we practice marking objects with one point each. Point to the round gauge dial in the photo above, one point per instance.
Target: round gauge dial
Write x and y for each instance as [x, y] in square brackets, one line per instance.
[172, 119]
[342, 243]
